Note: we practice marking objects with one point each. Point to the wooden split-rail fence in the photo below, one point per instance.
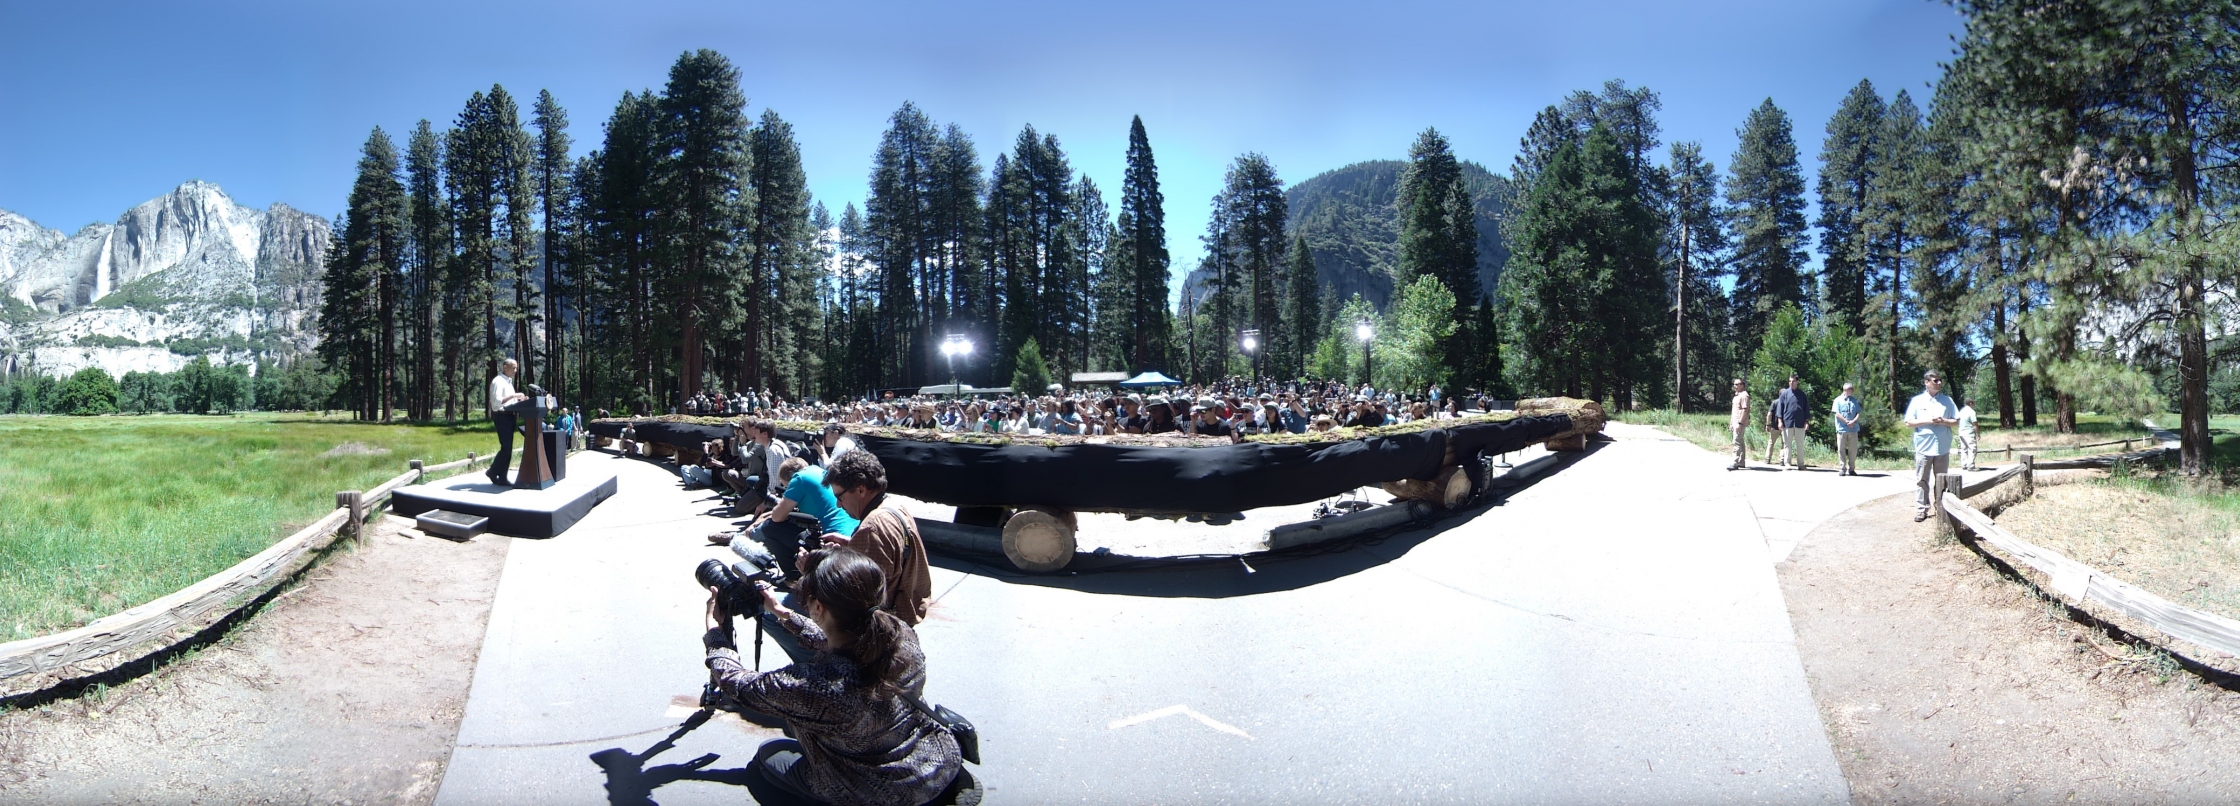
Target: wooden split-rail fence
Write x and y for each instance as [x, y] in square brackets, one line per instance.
[194, 606]
[2076, 582]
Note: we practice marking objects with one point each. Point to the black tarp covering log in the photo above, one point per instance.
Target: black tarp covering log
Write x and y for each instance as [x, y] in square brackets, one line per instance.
[1135, 478]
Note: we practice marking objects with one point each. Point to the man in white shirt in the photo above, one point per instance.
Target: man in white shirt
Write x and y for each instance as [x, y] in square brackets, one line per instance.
[1931, 415]
[1964, 435]
[502, 395]
[1738, 421]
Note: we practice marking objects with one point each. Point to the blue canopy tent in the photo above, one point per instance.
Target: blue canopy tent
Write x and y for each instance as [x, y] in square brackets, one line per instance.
[1149, 380]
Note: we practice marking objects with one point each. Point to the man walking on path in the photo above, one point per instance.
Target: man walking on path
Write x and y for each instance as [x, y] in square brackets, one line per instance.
[1847, 412]
[1739, 421]
[1794, 412]
[1931, 416]
[1966, 434]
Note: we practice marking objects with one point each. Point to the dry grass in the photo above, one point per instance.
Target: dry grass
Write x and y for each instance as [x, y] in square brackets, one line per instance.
[2183, 549]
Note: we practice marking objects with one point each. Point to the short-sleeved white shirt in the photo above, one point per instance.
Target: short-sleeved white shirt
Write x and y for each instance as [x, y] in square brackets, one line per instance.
[501, 387]
[1931, 440]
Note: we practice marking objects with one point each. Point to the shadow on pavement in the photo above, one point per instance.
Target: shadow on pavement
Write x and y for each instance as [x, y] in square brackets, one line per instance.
[1225, 576]
[631, 783]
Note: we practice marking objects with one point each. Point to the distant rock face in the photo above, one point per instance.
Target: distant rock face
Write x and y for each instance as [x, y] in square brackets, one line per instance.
[1352, 226]
[185, 274]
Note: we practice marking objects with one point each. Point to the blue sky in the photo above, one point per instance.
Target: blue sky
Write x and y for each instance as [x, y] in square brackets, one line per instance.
[107, 105]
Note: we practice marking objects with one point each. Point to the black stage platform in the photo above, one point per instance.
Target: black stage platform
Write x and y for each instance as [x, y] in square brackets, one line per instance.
[516, 512]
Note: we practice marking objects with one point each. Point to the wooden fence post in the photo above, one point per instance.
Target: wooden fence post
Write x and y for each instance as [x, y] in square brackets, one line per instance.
[354, 501]
[1945, 482]
[2029, 475]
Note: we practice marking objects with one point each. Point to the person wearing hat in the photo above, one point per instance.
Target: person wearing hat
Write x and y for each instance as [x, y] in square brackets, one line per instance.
[1159, 416]
[1847, 410]
[1130, 418]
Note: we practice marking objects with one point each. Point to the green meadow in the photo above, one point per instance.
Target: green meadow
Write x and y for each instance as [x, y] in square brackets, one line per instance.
[98, 514]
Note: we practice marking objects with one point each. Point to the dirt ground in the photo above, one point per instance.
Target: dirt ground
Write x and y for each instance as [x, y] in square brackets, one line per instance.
[348, 688]
[1941, 681]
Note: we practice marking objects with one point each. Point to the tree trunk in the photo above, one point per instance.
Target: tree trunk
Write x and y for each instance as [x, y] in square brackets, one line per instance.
[1680, 330]
[2001, 372]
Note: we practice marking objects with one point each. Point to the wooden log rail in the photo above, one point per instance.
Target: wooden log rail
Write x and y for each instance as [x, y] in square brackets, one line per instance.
[226, 590]
[2076, 581]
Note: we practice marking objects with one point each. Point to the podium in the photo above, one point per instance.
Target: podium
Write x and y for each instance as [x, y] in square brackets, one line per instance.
[536, 460]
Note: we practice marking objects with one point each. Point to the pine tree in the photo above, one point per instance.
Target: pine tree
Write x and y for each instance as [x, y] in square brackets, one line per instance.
[705, 184]
[512, 153]
[1893, 230]
[1141, 247]
[471, 174]
[898, 220]
[1246, 243]
[1695, 243]
[362, 275]
[1439, 238]
[430, 254]
[553, 167]
[1302, 311]
[1766, 197]
[768, 352]
[1849, 160]
[1091, 233]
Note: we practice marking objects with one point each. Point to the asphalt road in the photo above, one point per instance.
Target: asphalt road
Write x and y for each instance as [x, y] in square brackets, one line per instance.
[1612, 634]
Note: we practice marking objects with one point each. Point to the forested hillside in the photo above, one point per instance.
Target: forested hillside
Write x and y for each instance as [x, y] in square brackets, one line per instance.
[1353, 228]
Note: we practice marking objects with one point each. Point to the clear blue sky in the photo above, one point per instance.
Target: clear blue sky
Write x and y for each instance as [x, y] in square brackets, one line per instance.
[106, 105]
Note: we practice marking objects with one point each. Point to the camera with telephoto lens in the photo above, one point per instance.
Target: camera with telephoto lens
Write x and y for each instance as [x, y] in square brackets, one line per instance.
[735, 592]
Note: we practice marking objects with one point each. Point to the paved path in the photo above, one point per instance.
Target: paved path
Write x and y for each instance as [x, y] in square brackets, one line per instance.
[1612, 634]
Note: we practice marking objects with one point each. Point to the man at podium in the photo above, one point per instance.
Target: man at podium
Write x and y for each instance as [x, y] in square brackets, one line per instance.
[501, 396]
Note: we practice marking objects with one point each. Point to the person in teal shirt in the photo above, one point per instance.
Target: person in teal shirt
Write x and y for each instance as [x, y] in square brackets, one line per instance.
[1847, 410]
[779, 531]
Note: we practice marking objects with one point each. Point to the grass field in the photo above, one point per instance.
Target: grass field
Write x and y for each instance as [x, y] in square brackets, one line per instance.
[1709, 430]
[98, 514]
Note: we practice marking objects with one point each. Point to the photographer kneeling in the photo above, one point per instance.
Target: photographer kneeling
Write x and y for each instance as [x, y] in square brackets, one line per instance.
[860, 737]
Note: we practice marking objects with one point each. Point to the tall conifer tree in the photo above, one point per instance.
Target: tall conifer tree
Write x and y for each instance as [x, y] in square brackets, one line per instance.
[1766, 200]
[1849, 158]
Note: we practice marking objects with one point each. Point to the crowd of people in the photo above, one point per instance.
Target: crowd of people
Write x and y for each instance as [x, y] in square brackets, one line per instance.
[857, 580]
[1232, 408]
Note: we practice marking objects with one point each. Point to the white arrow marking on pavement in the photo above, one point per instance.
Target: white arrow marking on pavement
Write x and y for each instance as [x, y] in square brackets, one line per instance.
[1171, 710]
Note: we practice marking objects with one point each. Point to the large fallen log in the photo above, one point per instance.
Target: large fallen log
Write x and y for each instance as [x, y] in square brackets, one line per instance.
[1167, 473]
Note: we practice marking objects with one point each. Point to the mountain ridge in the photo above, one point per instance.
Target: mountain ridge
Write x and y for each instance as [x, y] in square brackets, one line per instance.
[185, 274]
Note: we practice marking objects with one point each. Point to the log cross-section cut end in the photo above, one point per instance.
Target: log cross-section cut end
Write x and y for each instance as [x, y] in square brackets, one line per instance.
[1037, 540]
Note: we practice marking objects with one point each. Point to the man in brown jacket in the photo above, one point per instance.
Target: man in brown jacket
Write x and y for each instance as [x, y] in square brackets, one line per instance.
[888, 534]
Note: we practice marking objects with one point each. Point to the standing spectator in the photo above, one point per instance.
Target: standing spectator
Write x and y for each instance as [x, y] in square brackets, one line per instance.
[1738, 420]
[1795, 413]
[1966, 432]
[1847, 412]
[1931, 416]
[1773, 429]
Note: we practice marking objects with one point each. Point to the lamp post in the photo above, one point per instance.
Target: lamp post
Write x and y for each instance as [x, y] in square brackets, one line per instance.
[1365, 333]
[1252, 354]
[953, 347]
